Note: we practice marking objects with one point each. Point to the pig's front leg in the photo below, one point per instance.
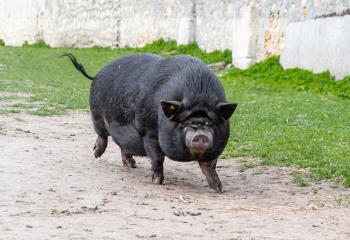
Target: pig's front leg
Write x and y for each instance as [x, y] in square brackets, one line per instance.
[208, 168]
[156, 155]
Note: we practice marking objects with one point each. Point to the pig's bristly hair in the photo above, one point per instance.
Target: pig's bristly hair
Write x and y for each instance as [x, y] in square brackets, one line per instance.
[77, 65]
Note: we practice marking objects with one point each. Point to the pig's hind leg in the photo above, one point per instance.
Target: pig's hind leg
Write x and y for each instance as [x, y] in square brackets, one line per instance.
[128, 160]
[129, 141]
[100, 146]
[102, 137]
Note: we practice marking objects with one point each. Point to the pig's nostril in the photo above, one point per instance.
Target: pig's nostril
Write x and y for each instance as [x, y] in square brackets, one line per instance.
[199, 142]
[202, 139]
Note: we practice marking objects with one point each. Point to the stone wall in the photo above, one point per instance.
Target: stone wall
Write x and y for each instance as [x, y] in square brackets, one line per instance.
[144, 21]
[80, 23]
[19, 21]
[318, 45]
[252, 29]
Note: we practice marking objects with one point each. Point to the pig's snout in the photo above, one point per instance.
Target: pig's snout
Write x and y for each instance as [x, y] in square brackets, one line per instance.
[199, 141]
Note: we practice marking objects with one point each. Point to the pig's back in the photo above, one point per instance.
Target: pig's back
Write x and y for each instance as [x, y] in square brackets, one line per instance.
[116, 87]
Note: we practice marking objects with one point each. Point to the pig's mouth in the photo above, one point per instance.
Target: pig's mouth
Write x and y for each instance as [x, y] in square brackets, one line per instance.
[198, 141]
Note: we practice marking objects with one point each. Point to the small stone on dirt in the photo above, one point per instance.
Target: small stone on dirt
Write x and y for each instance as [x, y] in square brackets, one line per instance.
[53, 211]
[179, 213]
[194, 213]
[146, 236]
[313, 207]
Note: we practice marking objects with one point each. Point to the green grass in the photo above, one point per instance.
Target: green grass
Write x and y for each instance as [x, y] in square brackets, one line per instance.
[343, 200]
[5, 111]
[9, 98]
[287, 123]
[19, 119]
[171, 48]
[299, 179]
[271, 72]
[291, 128]
[285, 117]
[39, 44]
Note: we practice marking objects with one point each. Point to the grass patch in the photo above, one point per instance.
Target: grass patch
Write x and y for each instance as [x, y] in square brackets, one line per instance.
[19, 119]
[247, 164]
[285, 117]
[21, 106]
[299, 179]
[286, 127]
[38, 44]
[5, 111]
[170, 48]
[343, 200]
[7, 98]
[49, 110]
[272, 73]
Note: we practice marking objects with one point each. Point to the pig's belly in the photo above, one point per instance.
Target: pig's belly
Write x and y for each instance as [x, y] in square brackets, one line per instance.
[128, 139]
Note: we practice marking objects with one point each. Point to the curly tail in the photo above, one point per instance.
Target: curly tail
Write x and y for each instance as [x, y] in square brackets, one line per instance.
[77, 65]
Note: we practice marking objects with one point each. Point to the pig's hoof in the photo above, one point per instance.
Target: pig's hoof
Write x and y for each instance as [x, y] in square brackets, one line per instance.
[129, 162]
[100, 146]
[217, 186]
[157, 179]
[98, 151]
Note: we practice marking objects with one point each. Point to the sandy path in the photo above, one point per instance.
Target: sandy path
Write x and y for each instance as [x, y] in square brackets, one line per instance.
[53, 188]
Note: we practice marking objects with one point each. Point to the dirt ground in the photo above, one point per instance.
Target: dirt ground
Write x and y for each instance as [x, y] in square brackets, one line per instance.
[53, 188]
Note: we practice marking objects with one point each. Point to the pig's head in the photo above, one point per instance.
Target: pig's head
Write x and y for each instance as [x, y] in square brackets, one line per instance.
[189, 133]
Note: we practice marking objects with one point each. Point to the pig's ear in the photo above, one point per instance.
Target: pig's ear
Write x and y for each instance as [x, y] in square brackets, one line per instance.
[226, 109]
[170, 108]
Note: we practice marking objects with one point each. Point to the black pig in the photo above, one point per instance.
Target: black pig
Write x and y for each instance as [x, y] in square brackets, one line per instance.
[154, 106]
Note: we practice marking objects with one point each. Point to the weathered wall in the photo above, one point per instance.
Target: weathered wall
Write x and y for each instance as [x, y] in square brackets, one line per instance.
[319, 44]
[19, 21]
[275, 16]
[214, 24]
[116, 23]
[80, 23]
[149, 20]
[253, 29]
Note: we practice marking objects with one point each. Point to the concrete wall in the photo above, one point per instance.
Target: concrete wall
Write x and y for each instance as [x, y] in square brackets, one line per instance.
[80, 23]
[214, 24]
[19, 21]
[252, 29]
[276, 15]
[319, 44]
[148, 20]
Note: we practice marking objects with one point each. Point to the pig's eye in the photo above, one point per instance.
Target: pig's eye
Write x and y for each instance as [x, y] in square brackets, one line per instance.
[170, 108]
[208, 124]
